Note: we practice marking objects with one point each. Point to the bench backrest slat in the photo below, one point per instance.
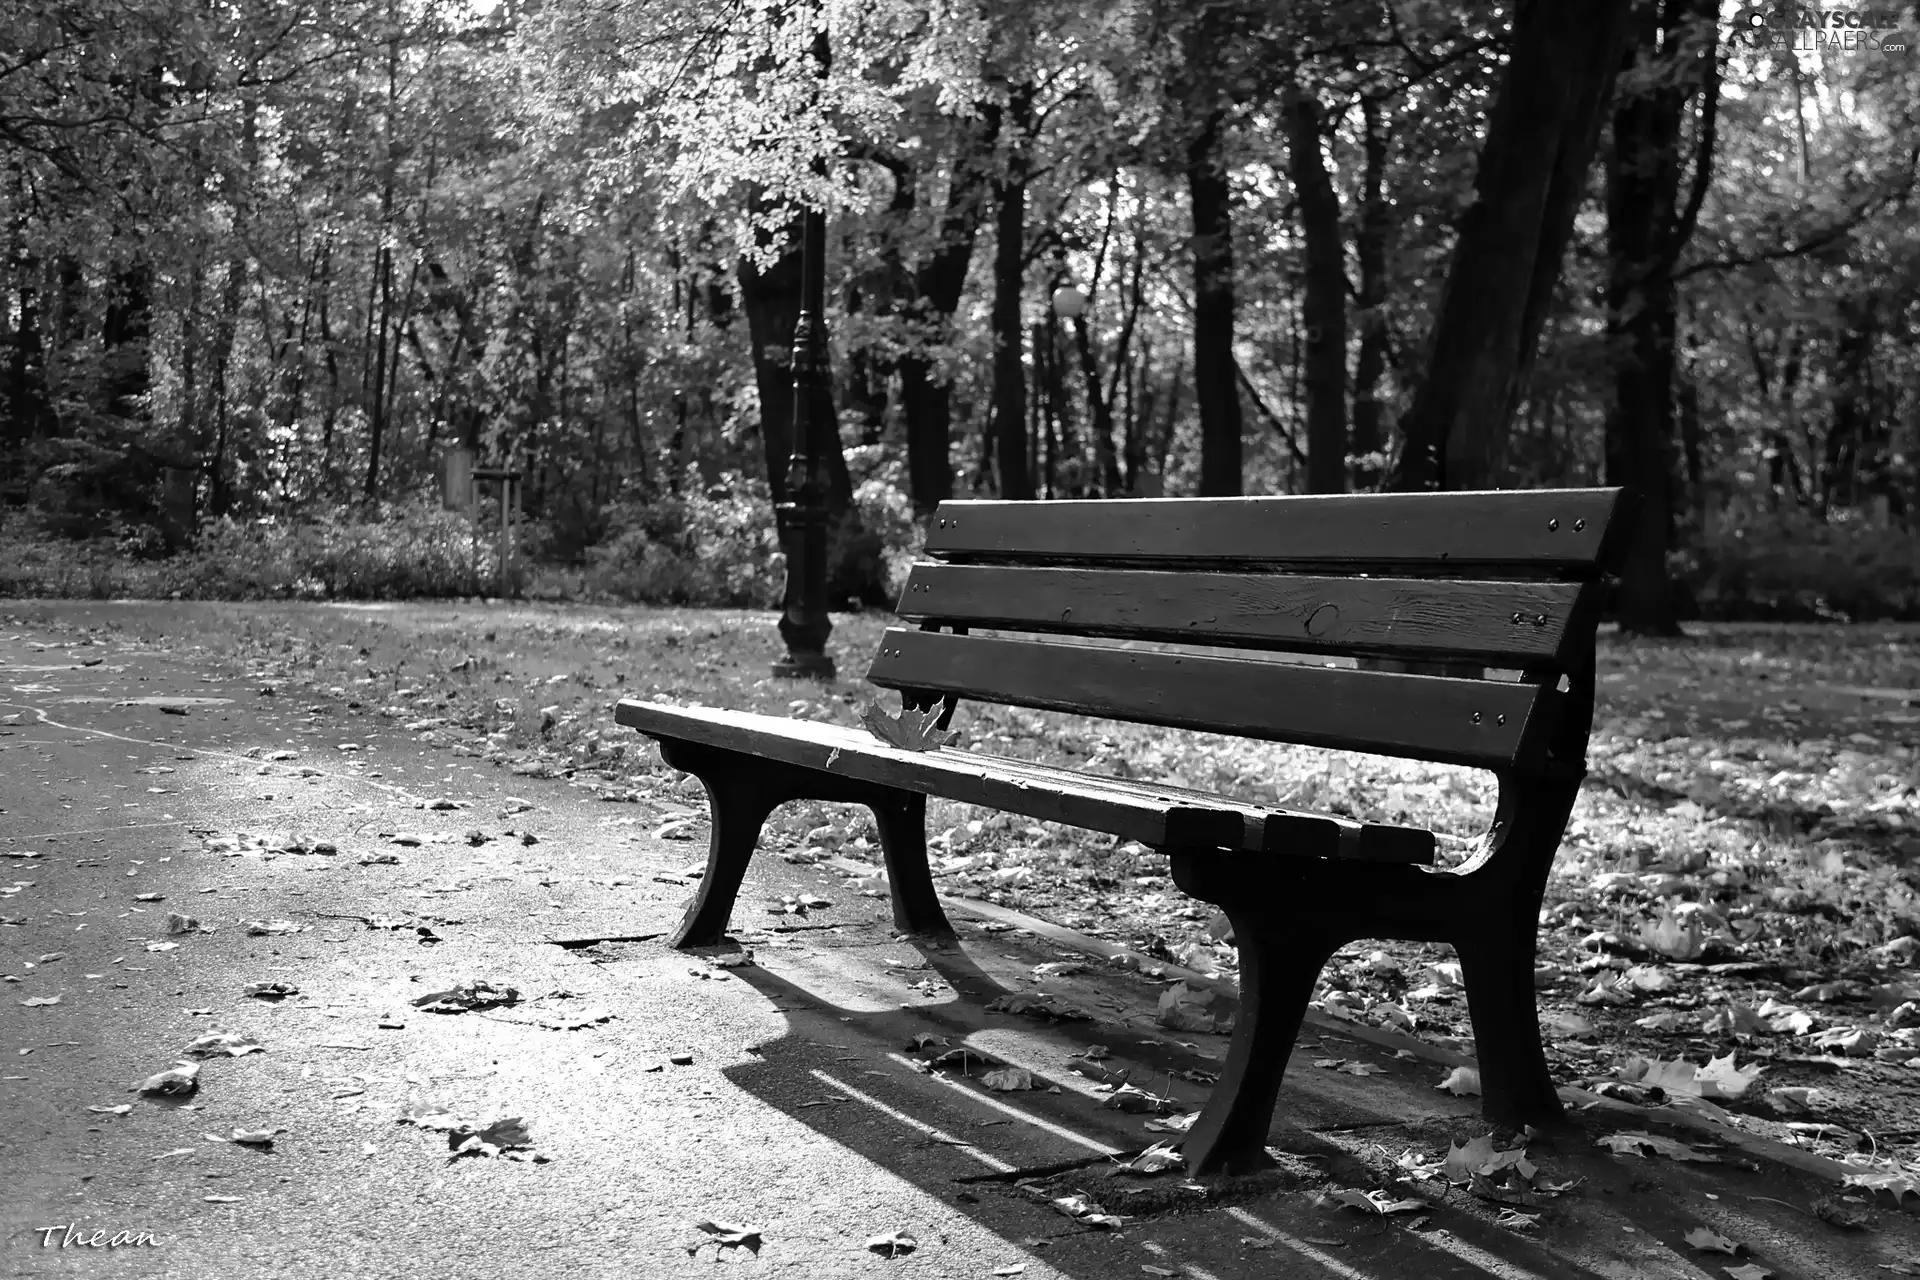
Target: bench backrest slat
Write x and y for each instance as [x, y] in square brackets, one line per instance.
[1486, 723]
[1561, 532]
[1497, 622]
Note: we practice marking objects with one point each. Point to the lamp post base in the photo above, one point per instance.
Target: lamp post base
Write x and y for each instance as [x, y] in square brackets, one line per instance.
[804, 666]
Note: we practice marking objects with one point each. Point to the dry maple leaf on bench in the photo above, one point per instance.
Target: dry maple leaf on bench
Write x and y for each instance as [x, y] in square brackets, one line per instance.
[911, 730]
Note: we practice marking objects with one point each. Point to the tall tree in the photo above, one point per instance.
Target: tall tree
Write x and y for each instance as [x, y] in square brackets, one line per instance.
[1216, 386]
[926, 399]
[1672, 60]
[1562, 58]
[1323, 305]
[1007, 421]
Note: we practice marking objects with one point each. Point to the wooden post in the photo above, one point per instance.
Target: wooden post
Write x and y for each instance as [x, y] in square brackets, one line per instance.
[509, 491]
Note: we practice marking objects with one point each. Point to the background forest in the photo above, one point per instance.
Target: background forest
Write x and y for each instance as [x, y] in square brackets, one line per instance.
[266, 260]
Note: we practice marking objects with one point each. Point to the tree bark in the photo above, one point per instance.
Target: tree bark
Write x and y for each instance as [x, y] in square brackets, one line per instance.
[1369, 435]
[1673, 43]
[1215, 390]
[927, 401]
[1324, 304]
[771, 300]
[124, 330]
[1563, 57]
[1007, 418]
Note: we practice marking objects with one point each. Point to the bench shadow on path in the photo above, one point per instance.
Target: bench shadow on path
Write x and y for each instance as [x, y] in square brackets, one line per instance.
[790, 1077]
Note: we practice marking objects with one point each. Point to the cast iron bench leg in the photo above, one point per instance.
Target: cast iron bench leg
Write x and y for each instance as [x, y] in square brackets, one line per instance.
[1497, 949]
[1515, 1086]
[1281, 956]
[739, 798]
[902, 819]
[743, 790]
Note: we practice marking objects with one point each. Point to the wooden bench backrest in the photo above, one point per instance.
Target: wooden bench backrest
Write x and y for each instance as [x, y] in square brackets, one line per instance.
[1502, 579]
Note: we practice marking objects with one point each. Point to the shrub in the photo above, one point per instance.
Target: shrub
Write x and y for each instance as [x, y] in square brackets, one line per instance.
[1791, 565]
[712, 547]
[401, 550]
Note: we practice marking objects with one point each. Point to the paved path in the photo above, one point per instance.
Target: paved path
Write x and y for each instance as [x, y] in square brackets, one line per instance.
[780, 1094]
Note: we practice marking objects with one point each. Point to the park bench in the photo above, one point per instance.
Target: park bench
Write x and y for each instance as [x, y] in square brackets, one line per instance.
[1220, 614]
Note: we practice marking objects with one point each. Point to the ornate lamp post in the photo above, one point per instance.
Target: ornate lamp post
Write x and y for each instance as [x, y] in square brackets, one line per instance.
[802, 518]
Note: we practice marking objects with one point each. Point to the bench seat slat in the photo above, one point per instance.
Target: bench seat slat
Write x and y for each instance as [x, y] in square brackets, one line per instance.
[1154, 814]
[1517, 623]
[1270, 827]
[1483, 723]
[1547, 531]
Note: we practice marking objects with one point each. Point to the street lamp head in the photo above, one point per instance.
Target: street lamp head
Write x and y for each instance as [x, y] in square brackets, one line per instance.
[1069, 301]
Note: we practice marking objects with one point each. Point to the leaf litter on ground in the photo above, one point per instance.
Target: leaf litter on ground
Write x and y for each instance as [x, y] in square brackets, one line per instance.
[1709, 810]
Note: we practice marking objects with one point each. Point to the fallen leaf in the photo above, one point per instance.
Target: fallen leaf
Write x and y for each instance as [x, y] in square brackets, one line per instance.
[893, 1244]
[256, 1137]
[1514, 1220]
[462, 996]
[1173, 1124]
[120, 1110]
[1639, 1144]
[1158, 1158]
[233, 1043]
[911, 730]
[1796, 1099]
[34, 1002]
[1373, 1201]
[1899, 1183]
[1677, 937]
[1842, 1212]
[1750, 1271]
[271, 928]
[1041, 1005]
[1853, 1041]
[270, 990]
[1136, 1101]
[1570, 1025]
[728, 1234]
[1606, 989]
[1184, 1007]
[1008, 1080]
[496, 1137]
[429, 1115]
[1708, 1239]
[177, 923]
[176, 1081]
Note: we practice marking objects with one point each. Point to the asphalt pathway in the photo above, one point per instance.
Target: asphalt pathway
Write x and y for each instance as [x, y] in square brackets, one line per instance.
[660, 1090]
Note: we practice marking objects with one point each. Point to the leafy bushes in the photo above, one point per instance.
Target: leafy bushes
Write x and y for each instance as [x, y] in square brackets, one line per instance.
[399, 551]
[1789, 565]
[716, 547]
[403, 550]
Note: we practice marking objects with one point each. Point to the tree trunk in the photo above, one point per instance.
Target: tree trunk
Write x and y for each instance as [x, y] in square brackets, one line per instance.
[26, 374]
[1369, 436]
[1007, 417]
[126, 373]
[1646, 230]
[1563, 57]
[1324, 306]
[1215, 390]
[771, 299]
[227, 323]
